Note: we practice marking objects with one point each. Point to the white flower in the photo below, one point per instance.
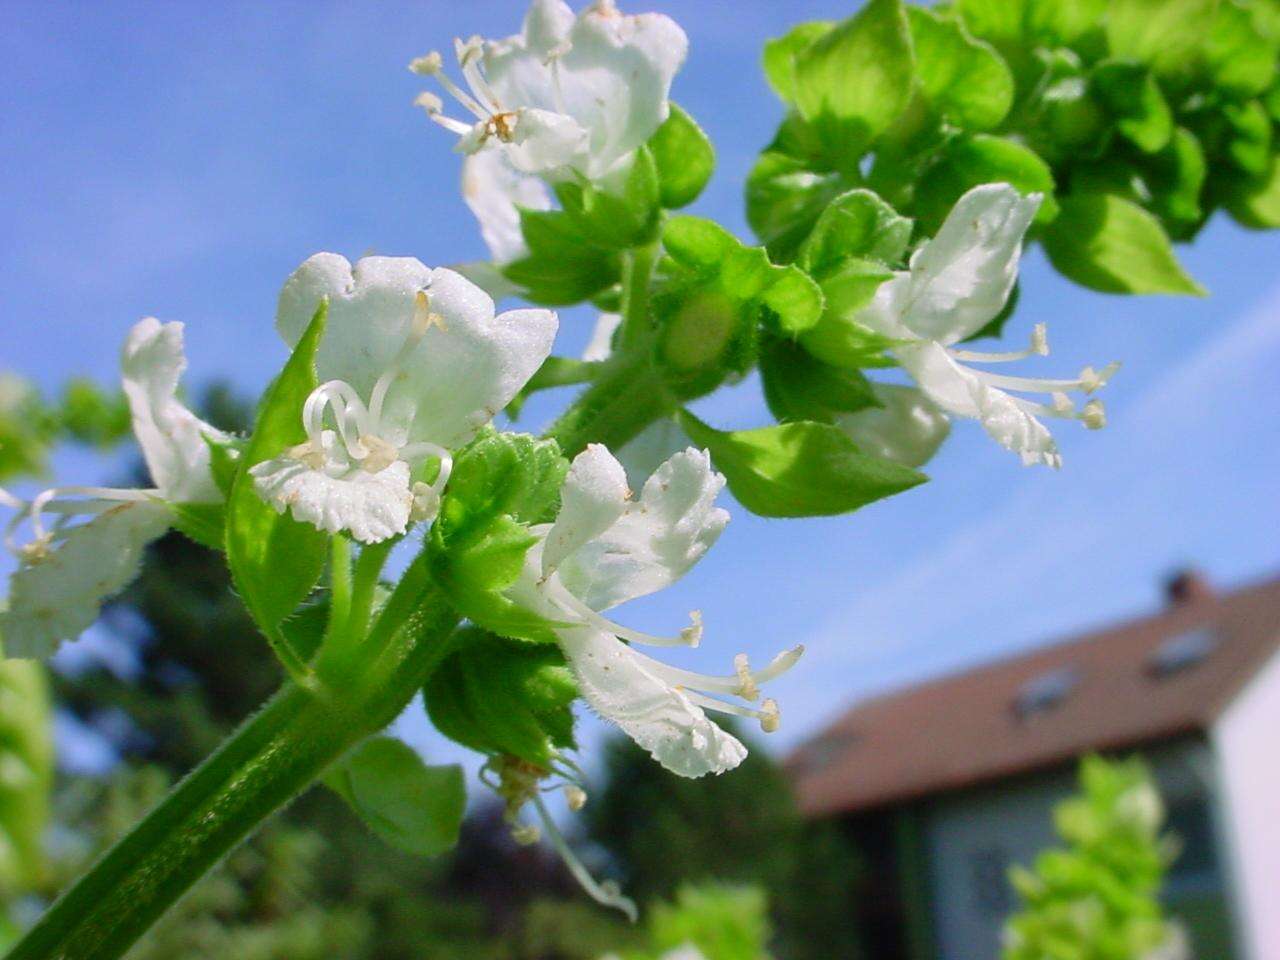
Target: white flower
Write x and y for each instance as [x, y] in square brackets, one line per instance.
[958, 281]
[67, 571]
[412, 363]
[604, 549]
[908, 427]
[566, 96]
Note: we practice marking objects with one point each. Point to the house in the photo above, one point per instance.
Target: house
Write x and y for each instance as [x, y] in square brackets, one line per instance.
[944, 785]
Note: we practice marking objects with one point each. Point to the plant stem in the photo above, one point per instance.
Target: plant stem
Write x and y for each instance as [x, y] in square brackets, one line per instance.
[272, 758]
[637, 272]
[629, 392]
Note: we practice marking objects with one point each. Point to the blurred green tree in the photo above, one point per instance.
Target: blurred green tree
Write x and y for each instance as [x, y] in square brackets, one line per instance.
[1096, 898]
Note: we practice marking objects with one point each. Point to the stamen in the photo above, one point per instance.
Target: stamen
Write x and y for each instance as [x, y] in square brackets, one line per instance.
[605, 893]
[525, 834]
[469, 55]
[432, 65]
[690, 636]
[575, 797]
[730, 685]
[1035, 384]
[1039, 347]
[435, 110]
[379, 454]
[767, 715]
[1091, 380]
[747, 688]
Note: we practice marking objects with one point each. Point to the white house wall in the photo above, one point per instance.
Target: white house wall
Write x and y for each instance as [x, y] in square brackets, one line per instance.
[1247, 737]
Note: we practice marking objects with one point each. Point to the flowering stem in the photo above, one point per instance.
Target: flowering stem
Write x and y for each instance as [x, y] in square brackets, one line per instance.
[637, 272]
[275, 755]
[629, 394]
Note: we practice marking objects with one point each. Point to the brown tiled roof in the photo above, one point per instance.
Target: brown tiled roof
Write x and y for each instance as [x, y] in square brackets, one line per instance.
[967, 729]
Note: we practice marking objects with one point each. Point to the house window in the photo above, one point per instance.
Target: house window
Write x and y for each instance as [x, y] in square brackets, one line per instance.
[990, 893]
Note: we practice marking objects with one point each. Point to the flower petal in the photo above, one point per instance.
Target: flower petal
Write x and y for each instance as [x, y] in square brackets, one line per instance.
[171, 436]
[593, 496]
[370, 506]
[58, 597]
[962, 277]
[616, 79]
[465, 368]
[1014, 428]
[908, 428]
[494, 190]
[548, 144]
[656, 540]
[654, 714]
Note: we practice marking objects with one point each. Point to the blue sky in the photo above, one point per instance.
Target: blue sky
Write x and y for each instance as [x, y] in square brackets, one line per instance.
[181, 159]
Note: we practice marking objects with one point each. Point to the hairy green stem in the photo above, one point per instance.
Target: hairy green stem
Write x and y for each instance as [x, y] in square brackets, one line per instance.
[272, 758]
[637, 272]
[627, 396]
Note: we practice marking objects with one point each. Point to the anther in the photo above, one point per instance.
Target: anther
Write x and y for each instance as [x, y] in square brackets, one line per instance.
[428, 65]
[747, 688]
[575, 797]
[526, 834]
[692, 634]
[1040, 339]
[306, 453]
[1094, 415]
[379, 454]
[770, 716]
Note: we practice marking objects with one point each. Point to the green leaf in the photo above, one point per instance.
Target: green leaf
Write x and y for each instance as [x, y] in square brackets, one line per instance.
[797, 386]
[1110, 244]
[1131, 95]
[964, 79]
[563, 265]
[785, 197]
[973, 159]
[26, 758]
[1063, 22]
[1239, 58]
[1175, 176]
[684, 158]
[1164, 34]
[854, 81]
[699, 244]
[499, 696]
[780, 55]
[1249, 142]
[836, 339]
[855, 224]
[742, 275]
[1256, 203]
[798, 469]
[410, 805]
[274, 560]
[793, 300]
[205, 523]
[501, 483]
[612, 221]
[999, 21]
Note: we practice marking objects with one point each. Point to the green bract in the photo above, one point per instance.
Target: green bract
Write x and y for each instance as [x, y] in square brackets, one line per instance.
[275, 561]
[501, 483]
[1113, 245]
[500, 696]
[407, 803]
[800, 469]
